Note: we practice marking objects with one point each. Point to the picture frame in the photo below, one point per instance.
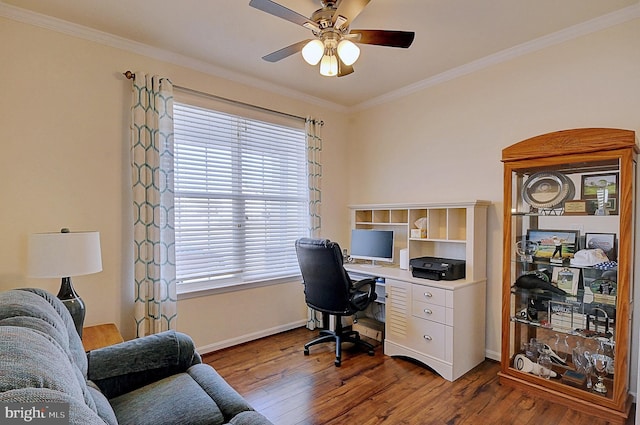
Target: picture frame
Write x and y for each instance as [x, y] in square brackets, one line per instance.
[554, 244]
[590, 185]
[605, 241]
[567, 279]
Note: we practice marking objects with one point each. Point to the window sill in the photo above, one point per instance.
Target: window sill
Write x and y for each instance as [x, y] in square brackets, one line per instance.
[203, 290]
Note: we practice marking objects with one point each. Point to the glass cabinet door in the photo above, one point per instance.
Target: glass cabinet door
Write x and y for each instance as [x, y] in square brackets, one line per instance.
[564, 273]
[568, 261]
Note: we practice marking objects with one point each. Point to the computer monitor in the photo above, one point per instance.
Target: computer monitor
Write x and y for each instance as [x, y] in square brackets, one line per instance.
[374, 245]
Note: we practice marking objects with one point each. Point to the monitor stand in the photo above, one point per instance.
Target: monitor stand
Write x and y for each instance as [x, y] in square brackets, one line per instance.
[373, 265]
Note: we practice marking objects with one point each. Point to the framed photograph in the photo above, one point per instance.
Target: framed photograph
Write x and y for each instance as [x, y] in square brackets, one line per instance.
[604, 241]
[567, 279]
[554, 244]
[590, 185]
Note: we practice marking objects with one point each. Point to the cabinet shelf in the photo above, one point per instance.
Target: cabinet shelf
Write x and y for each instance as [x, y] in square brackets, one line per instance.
[595, 309]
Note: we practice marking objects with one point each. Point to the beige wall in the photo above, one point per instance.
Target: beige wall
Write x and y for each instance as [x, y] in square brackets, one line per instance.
[444, 143]
[64, 111]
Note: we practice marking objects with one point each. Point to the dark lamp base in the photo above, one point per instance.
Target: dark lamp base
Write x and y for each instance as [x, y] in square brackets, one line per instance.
[73, 302]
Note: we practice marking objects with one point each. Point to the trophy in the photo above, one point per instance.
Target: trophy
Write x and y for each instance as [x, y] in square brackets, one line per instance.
[600, 364]
[526, 249]
[602, 195]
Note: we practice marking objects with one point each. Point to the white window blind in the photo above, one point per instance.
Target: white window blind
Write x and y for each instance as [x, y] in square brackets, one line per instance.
[241, 197]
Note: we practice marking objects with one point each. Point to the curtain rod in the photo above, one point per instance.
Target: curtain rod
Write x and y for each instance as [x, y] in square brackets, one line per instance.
[130, 76]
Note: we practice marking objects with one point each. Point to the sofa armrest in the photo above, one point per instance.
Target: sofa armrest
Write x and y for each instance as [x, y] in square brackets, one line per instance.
[124, 367]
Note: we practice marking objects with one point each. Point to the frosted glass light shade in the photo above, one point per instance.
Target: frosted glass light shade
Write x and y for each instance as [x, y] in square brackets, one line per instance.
[64, 254]
[348, 52]
[329, 65]
[312, 52]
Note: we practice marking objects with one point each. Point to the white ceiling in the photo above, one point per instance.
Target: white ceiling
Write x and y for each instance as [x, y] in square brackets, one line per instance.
[451, 36]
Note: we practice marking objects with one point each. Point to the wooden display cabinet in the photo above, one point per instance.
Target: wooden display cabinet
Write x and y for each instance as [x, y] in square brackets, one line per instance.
[539, 175]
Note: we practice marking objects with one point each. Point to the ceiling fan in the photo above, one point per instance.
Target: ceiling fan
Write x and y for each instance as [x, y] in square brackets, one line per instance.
[335, 44]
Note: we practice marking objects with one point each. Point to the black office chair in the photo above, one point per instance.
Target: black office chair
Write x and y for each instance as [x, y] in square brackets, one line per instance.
[328, 289]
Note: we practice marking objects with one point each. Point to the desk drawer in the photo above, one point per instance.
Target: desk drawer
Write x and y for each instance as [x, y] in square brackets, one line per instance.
[437, 313]
[428, 337]
[429, 294]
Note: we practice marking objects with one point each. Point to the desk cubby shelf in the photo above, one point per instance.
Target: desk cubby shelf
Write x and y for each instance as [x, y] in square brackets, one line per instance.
[452, 229]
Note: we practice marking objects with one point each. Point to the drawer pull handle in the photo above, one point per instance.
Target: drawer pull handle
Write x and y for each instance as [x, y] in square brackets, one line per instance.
[428, 294]
[428, 337]
[427, 311]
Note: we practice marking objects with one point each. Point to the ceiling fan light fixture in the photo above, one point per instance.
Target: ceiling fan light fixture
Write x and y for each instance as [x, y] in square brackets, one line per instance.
[348, 52]
[313, 51]
[329, 65]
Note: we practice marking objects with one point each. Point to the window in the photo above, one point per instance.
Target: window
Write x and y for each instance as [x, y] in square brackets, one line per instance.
[241, 198]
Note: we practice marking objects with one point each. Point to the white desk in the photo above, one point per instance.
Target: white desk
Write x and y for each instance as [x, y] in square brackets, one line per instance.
[439, 323]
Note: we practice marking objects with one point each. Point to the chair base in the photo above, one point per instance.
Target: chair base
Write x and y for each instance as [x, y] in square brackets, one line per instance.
[340, 335]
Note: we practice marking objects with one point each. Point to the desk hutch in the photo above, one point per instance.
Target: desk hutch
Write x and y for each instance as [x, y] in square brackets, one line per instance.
[439, 323]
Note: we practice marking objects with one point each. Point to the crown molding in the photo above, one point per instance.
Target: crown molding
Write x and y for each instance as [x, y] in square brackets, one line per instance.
[101, 37]
[54, 24]
[597, 24]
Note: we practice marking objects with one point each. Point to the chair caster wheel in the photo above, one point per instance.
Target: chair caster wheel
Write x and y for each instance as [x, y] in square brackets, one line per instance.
[371, 353]
[337, 363]
[306, 351]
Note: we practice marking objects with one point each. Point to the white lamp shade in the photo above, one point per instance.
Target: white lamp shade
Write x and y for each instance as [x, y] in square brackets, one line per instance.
[64, 254]
[348, 52]
[329, 65]
[312, 52]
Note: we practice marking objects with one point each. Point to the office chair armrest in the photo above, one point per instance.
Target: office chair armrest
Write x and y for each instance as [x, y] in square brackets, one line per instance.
[356, 285]
[361, 299]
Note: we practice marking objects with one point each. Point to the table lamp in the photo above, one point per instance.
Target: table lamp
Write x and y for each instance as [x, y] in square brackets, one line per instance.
[63, 255]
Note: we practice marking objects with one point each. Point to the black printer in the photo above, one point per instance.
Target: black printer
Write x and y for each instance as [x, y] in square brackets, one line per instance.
[436, 268]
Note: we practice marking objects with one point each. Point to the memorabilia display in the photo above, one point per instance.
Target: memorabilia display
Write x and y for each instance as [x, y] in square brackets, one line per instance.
[568, 268]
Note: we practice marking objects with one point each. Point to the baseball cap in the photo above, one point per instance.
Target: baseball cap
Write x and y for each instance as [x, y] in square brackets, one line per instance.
[589, 257]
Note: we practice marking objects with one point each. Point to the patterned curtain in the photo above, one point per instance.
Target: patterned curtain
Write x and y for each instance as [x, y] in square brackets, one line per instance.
[314, 175]
[153, 209]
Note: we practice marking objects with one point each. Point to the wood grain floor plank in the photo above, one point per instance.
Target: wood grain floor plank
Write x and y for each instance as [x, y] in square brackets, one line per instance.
[293, 389]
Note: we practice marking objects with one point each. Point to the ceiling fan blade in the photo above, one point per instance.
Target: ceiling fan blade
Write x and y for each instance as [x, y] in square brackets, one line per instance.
[349, 9]
[280, 11]
[344, 69]
[384, 38]
[285, 51]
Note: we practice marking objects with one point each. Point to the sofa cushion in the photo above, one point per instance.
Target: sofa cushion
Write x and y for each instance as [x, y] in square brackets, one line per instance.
[36, 360]
[230, 402]
[34, 303]
[249, 418]
[76, 350]
[175, 400]
[103, 407]
[79, 413]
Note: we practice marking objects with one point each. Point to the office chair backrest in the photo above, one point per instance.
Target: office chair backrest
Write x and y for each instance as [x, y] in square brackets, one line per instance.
[326, 281]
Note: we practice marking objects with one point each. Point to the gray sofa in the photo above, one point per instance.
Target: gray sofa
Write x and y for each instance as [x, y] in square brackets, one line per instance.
[158, 379]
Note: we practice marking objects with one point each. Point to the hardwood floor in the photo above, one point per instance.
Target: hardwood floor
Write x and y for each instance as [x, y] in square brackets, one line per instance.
[290, 388]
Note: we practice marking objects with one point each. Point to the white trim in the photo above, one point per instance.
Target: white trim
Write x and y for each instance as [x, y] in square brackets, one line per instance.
[250, 337]
[186, 291]
[101, 37]
[597, 24]
[605, 21]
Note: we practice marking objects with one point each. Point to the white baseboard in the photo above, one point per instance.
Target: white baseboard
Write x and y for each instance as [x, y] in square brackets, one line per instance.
[250, 337]
[493, 355]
